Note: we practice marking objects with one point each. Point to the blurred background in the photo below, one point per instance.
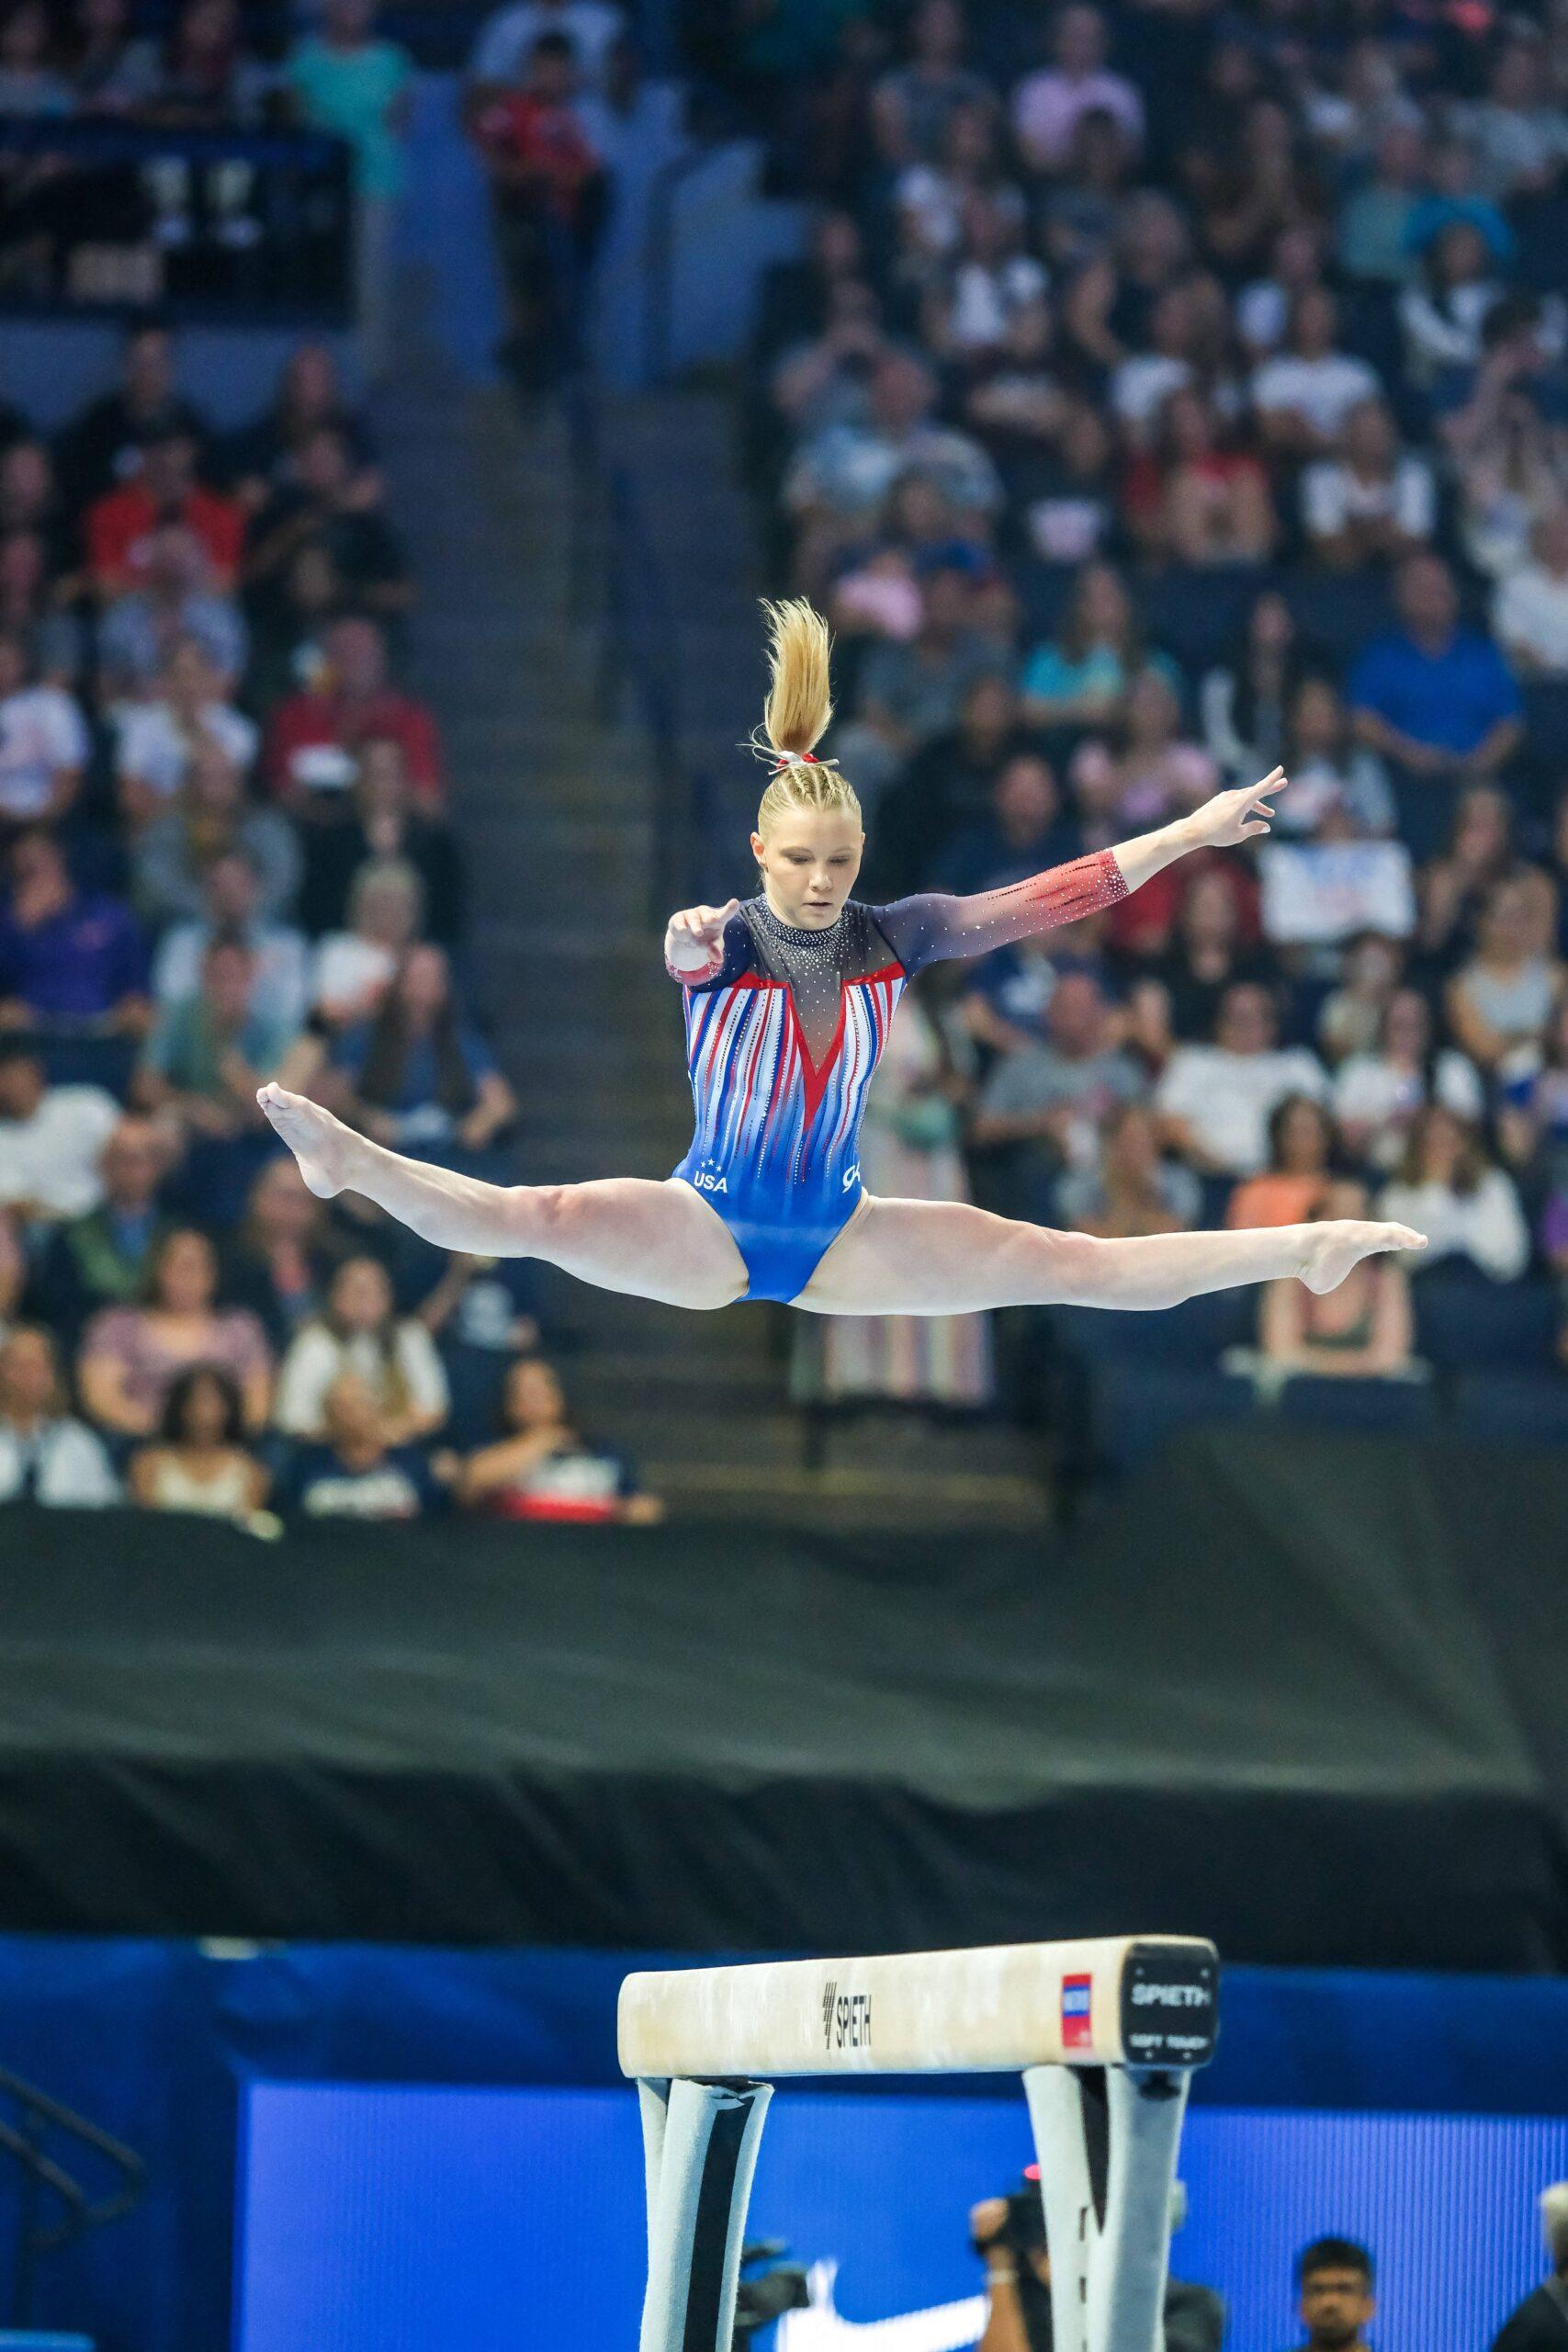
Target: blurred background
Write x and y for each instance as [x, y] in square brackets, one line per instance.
[402, 410]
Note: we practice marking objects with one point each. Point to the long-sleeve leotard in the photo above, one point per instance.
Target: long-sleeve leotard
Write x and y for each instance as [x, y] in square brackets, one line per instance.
[784, 1030]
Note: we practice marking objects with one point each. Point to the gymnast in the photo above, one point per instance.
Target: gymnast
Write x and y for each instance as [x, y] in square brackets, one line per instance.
[787, 1001]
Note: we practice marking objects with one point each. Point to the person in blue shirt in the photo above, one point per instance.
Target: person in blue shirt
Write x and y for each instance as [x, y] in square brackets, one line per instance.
[417, 1074]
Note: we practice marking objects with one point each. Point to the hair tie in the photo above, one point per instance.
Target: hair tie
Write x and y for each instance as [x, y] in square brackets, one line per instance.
[808, 759]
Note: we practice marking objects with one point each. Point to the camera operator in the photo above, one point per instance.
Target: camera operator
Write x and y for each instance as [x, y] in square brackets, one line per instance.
[1009, 2235]
[1540, 2323]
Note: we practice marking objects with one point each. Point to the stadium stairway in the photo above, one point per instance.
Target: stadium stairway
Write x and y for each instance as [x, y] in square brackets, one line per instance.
[552, 802]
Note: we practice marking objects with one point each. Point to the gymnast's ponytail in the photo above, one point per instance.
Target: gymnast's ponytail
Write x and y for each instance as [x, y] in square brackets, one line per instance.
[796, 715]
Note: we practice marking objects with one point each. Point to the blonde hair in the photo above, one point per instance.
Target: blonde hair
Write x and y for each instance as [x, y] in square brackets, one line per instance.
[796, 715]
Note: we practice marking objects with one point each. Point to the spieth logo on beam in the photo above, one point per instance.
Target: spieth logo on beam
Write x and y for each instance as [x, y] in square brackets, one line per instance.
[846, 2018]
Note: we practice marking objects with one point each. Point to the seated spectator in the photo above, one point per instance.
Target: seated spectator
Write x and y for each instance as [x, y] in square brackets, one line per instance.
[158, 740]
[1337, 786]
[1196, 498]
[357, 1472]
[30, 79]
[1079, 680]
[1301, 1139]
[360, 1333]
[1433, 698]
[544, 1469]
[287, 654]
[104, 446]
[1457, 883]
[285, 1252]
[381, 820]
[947, 785]
[1263, 309]
[1048, 107]
[1210, 952]
[1334, 2278]
[200, 1067]
[984, 311]
[1445, 309]
[231, 909]
[1247, 702]
[1529, 612]
[1259, 183]
[208, 80]
[1448, 1189]
[1371, 502]
[30, 609]
[1303, 396]
[44, 744]
[328, 501]
[1063, 501]
[417, 1076]
[1147, 774]
[1134, 1189]
[1502, 998]
[30, 501]
[103, 1257]
[1027, 830]
[1144, 381]
[313, 736]
[1532, 1110]
[176, 602]
[199, 1461]
[1501, 427]
[1215, 1100]
[1540, 2323]
[353, 969]
[908, 693]
[1046, 1102]
[1350, 1019]
[912, 105]
[52, 1139]
[211, 819]
[121, 525]
[131, 1355]
[261, 458]
[1379, 1093]
[1363, 1330]
[1373, 227]
[506, 40]
[46, 1456]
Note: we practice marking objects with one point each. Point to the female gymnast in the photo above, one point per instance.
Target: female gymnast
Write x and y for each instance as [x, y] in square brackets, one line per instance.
[787, 1003]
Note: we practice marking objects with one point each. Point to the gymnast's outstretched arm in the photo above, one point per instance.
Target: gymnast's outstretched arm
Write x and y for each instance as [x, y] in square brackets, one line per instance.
[934, 924]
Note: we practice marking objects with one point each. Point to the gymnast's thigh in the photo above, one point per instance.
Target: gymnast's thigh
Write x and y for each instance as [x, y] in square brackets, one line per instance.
[937, 1258]
[650, 1240]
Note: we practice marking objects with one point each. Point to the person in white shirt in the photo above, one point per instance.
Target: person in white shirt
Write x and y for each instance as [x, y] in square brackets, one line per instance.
[1529, 616]
[1448, 1189]
[1371, 502]
[43, 741]
[1304, 394]
[157, 739]
[505, 42]
[1215, 1100]
[352, 967]
[1141, 385]
[52, 1139]
[361, 1333]
[45, 1455]
[280, 958]
[1380, 1093]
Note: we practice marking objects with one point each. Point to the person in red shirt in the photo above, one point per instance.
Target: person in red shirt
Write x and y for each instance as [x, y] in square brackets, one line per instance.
[550, 190]
[122, 527]
[311, 742]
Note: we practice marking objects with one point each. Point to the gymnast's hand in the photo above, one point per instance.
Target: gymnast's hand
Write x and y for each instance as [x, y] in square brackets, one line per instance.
[693, 941]
[1230, 818]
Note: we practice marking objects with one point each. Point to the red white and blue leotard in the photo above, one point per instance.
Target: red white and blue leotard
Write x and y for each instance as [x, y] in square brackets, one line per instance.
[783, 1036]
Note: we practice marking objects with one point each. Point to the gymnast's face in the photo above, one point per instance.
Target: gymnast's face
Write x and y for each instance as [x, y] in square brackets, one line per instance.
[810, 858]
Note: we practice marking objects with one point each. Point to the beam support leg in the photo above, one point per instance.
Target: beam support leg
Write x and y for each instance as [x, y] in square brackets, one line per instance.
[700, 2144]
[1107, 2141]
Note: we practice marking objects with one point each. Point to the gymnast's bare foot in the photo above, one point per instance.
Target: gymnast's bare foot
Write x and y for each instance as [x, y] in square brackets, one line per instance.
[318, 1142]
[1340, 1243]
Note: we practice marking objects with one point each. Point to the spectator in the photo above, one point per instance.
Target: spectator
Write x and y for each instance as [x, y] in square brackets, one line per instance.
[1373, 229]
[1201, 499]
[947, 783]
[50, 1140]
[1432, 697]
[1134, 1189]
[30, 608]
[1503, 997]
[211, 819]
[1516, 132]
[1151, 775]
[313, 736]
[205, 1058]
[1444, 312]
[1065, 498]
[353, 967]
[1304, 396]
[1047, 1102]
[1378, 1093]
[1371, 502]
[69, 960]
[1247, 702]
[122, 527]
[159, 739]
[231, 909]
[361, 1333]
[286, 1253]
[1350, 1019]
[1337, 786]
[16, 1274]
[131, 1355]
[328, 501]
[261, 459]
[1363, 1330]
[174, 603]
[1457, 884]
[1048, 107]
[30, 501]
[544, 1469]
[112, 73]
[912, 692]
[1448, 1189]
[1079, 680]
[199, 1461]
[550, 193]
[103, 1257]
[1026, 832]
[357, 1472]
[44, 744]
[1333, 2280]
[105, 447]
[418, 1076]
[1529, 613]
[207, 79]
[1532, 1110]
[30, 83]
[913, 105]
[383, 822]
[506, 40]
[1301, 1139]
[1208, 953]
[1145, 380]
[46, 1456]
[1215, 1100]
[1540, 2322]
[347, 81]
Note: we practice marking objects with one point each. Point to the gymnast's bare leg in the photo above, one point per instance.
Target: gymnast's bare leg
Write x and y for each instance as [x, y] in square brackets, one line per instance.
[621, 1233]
[946, 1258]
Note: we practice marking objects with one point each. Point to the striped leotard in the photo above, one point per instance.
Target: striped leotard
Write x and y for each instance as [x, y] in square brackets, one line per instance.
[783, 1036]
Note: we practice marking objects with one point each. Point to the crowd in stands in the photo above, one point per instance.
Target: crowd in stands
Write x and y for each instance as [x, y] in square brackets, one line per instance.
[1169, 392]
[224, 857]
